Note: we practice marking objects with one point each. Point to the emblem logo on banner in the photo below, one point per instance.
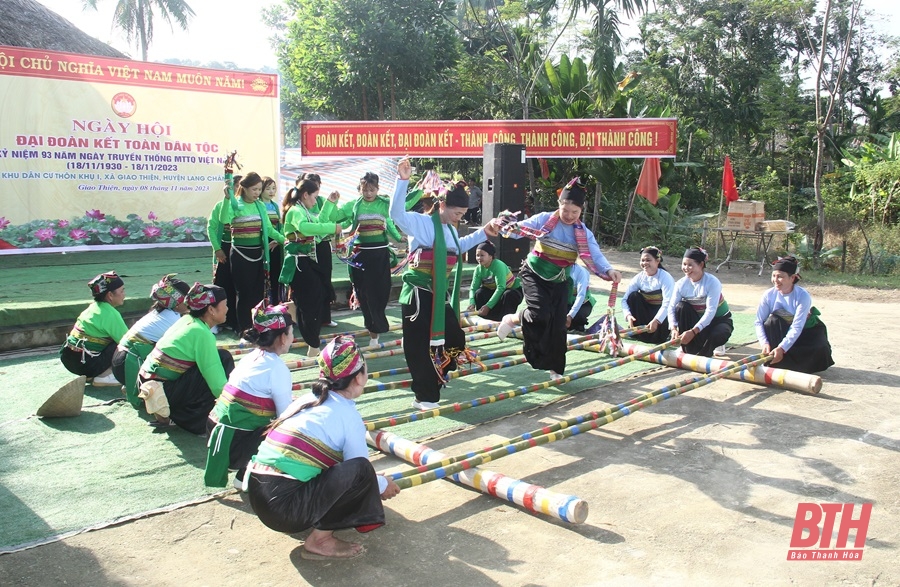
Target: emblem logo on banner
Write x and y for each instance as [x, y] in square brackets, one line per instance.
[124, 104]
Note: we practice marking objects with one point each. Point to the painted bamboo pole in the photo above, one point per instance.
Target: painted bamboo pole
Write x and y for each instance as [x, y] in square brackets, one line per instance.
[567, 508]
[490, 455]
[761, 375]
[582, 418]
[300, 344]
[379, 351]
[519, 391]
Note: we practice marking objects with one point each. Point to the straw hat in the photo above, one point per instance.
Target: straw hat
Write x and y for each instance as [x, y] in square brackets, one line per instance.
[66, 401]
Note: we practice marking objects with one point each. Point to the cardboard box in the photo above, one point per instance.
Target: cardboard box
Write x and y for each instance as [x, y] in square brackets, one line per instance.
[773, 226]
[745, 215]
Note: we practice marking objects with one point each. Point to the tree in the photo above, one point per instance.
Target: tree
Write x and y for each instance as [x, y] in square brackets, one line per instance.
[833, 51]
[357, 59]
[135, 18]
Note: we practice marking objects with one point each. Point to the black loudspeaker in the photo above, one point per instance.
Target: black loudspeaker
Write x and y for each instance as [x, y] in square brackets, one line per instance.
[504, 189]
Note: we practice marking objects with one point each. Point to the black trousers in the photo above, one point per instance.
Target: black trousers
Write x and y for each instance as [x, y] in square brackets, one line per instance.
[580, 321]
[79, 363]
[416, 344]
[644, 313]
[715, 335]
[190, 399]
[544, 321]
[249, 283]
[222, 278]
[508, 304]
[324, 259]
[811, 351]
[372, 283]
[308, 292]
[343, 496]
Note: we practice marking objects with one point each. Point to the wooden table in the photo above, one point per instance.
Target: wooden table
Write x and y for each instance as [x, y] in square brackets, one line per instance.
[763, 240]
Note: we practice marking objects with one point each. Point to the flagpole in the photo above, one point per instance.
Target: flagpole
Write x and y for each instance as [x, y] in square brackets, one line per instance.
[628, 216]
[719, 222]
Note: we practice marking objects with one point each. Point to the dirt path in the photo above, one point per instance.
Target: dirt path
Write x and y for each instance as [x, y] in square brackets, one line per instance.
[698, 490]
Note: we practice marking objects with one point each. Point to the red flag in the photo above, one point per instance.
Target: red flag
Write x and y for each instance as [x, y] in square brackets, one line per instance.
[648, 183]
[545, 168]
[729, 188]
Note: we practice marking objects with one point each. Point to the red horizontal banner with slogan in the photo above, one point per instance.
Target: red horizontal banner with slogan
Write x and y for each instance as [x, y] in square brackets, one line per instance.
[19, 61]
[631, 137]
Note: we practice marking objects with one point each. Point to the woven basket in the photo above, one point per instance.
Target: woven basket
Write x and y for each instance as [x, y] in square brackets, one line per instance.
[65, 402]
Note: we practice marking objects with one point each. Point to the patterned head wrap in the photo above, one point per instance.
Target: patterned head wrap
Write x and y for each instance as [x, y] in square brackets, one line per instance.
[653, 252]
[340, 358]
[574, 192]
[266, 317]
[369, 179]
[697, 254]
[787, 264]
[200, 296]
[169, 291]
[105, 282]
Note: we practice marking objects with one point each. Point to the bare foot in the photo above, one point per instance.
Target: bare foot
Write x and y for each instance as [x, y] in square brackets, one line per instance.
[324, 544]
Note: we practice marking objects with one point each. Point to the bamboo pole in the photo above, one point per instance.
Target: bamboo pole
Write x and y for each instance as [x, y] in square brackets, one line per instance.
[566, 508]
[762, 375]
[568, 422]
[519, 391]
[490, 455]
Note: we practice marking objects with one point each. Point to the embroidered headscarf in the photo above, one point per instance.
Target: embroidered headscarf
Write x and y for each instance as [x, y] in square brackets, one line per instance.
[340, 358]
[169, 291]
[105, 282]
[574, 192]
[266, 317]
[488, 247]
[200, 296]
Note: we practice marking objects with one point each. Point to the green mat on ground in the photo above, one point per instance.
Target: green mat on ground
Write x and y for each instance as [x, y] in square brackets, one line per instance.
[63, 475]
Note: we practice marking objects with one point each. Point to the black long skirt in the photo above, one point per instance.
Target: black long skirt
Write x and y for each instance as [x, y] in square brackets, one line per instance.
[810, 353]
[343, 496]
[222, 278]
[80, 363]
[644, 312]
[308, 292]
[190, 399]
[276, 289]
[544, 321]
[416, 344]
[324, 259]
[372, 283]
[249, 282]
[715, 335]
[508, 304]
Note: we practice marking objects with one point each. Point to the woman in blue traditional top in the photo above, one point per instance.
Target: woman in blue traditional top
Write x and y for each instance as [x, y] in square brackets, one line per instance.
[312, 469]
[788, 325]
[257, 391]
[169, 297]
[698, 313]
[646, 301]
[560, 239]
[90, 346]
[433, 342]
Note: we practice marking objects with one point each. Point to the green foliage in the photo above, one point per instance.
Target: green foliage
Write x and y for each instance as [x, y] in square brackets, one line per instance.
[135, 18]
[666, 224]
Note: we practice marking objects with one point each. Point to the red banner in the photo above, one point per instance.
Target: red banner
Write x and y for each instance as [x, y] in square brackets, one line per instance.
[631, 137]
[19, 61]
